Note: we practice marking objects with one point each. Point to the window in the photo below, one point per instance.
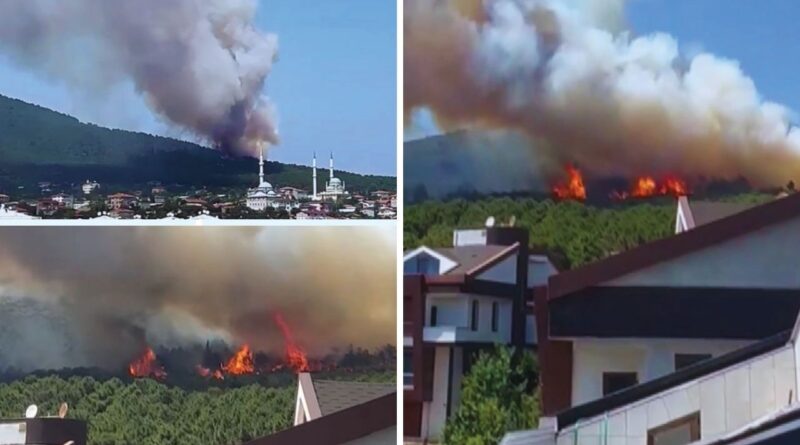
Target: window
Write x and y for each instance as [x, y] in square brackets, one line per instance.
[684, 360]
[495, 315]
[617, 381]
[434, 315]
[678, 432]
[408, 368]
[474, 320]
[421, 264]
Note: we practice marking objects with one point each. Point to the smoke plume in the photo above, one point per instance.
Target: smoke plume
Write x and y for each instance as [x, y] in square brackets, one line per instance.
[80, 296]
[201, 64]
[585, 90]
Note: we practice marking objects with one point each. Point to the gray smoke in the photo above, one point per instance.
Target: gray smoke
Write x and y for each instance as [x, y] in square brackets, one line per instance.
[96, 296]
[201, 64]
[568, 72]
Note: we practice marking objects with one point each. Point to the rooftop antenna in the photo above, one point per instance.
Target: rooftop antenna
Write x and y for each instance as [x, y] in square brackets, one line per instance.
[31, 412]
[490, 221]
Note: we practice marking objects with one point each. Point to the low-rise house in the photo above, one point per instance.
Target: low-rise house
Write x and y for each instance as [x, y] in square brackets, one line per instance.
[64, 200]
[122, 201]
[46, 207]
[44, 430]
[681, 340]
[457, 302]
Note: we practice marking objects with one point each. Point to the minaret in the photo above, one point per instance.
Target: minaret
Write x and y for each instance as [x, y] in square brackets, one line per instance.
[260, 166]
[331, 165]
[314, 175]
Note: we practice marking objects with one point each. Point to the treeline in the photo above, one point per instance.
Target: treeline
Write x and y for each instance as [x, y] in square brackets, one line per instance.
[145, 412]
[572, 233]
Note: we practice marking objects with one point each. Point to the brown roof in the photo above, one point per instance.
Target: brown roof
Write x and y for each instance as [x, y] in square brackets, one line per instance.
[472, 257]
[658, 251]
[341, 427]
[705, 212]
[335, 395]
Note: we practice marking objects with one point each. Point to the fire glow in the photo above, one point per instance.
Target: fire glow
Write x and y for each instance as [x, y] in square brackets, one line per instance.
[295, 356]
[573, 188]
[147, 366]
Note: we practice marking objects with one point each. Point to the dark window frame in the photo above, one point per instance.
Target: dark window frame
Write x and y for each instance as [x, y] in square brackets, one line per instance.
[607, 376]
[474, 315]
[694, 428]
[495, 316]
[434, 315]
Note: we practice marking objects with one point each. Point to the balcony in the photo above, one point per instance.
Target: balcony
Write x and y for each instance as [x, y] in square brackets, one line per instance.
[456, 334]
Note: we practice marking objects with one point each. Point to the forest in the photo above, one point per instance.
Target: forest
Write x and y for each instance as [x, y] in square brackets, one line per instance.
[38, 144]
[570, 232]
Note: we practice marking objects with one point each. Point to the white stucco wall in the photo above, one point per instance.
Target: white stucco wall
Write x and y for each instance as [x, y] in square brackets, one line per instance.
[503, 272]
[456, 310]
[437, 410]
[726, 401]
[13, 432]
[539, 270]
[649, 358]
[739, 262]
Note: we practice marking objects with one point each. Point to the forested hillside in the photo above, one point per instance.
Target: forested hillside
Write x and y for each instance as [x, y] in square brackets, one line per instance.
[37, 144]
[572, 233]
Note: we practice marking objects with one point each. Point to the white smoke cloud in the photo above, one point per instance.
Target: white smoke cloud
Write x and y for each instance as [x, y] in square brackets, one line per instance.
[569, 72]
[201, 64]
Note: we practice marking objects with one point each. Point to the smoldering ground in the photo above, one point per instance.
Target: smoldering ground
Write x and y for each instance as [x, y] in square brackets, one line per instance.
[586, 89]
[80, 296]
[200, 64]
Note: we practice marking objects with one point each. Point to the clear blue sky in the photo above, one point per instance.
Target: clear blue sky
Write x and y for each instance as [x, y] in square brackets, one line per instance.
[334, 86]
[762, 35]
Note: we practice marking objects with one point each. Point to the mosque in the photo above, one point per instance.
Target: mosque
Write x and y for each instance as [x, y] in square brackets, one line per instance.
[264, 196]
[334, 188]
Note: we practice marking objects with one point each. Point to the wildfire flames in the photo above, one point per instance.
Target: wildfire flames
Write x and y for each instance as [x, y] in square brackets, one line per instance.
[573, 188]
[642, 187]
[295, 356]
[241, 363]
[147, 366]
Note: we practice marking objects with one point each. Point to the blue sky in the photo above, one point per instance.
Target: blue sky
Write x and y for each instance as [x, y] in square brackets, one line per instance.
[762, 35]
[334, 86]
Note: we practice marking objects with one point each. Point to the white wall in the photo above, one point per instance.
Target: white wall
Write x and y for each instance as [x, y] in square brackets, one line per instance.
[726, 400]
[503, 272]
[12, 433]
[649, 358]
[437, 413]
[539, 270]
[456, 310]
[740, 262]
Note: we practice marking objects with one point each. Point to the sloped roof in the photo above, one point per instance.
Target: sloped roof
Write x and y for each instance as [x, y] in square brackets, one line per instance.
[470, 257]
[705, 212]
[336, 395]
[716, 232]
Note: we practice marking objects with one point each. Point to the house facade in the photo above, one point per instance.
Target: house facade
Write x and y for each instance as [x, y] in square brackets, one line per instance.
[692, 338]
[458, 301]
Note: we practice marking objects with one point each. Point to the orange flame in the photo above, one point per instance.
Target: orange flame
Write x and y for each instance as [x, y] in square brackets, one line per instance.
[295, 356]
[643, 187]
[573, 188]
[146, 366]
[674, 186]
[241, 363]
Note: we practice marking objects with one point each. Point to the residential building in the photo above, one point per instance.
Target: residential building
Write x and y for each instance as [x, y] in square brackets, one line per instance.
[458, 301]
[681, 340]
[119, 201]
[43, 430]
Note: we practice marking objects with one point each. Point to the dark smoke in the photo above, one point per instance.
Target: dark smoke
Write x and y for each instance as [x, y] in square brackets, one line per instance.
[91, 296]
[201, 64]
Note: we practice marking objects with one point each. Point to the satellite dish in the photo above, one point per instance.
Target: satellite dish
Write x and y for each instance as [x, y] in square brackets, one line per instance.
[62, 410]
[31, 412]
[71, 442]
[512, 221]
[490, 221]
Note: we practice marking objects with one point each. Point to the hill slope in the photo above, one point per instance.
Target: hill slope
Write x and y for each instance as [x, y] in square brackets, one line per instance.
[38, 144]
